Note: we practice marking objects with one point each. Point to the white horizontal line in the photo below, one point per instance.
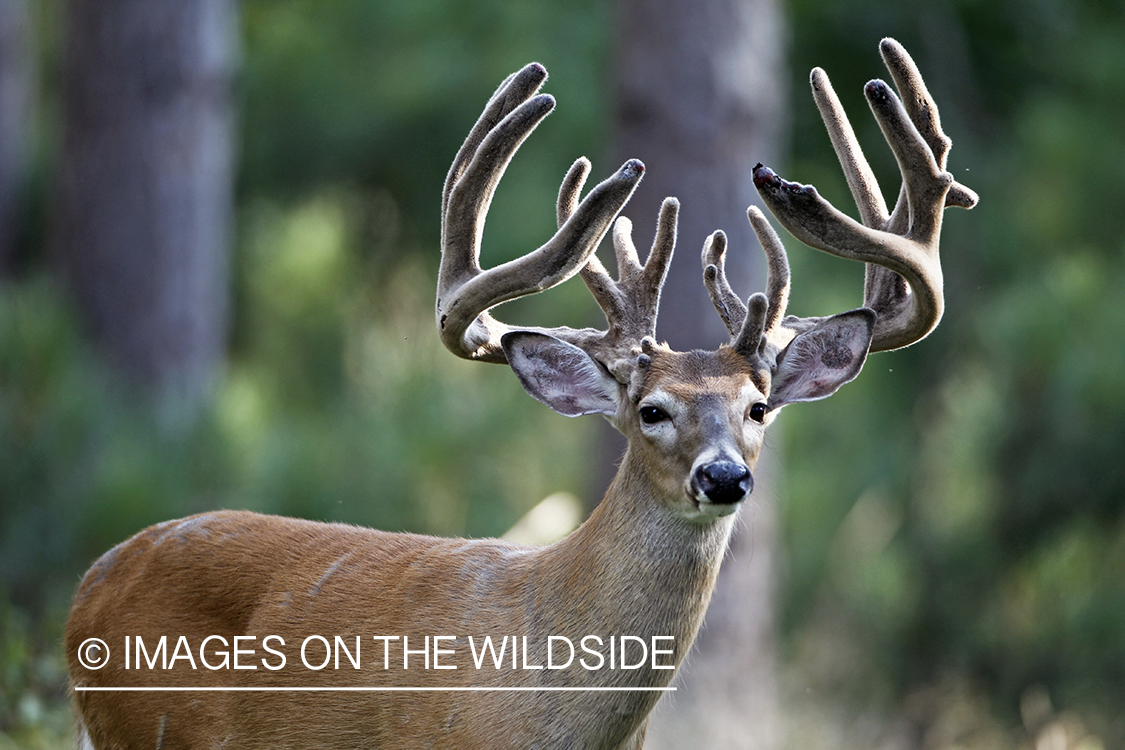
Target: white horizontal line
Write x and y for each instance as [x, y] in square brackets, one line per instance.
[81, 689]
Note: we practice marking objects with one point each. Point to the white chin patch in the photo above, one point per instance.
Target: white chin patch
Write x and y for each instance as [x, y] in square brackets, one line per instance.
[708, 509]
[719, 510]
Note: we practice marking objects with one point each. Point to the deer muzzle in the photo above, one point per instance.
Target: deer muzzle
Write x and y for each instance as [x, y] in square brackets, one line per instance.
[723, 482]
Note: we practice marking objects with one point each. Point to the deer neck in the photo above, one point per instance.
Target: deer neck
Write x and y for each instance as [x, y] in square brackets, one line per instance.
[635, 567]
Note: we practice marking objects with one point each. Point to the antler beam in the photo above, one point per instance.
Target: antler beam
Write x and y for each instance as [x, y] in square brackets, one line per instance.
[904, 280]
[465, 291]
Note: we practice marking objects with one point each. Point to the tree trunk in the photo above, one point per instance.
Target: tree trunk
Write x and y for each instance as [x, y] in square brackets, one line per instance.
[702, 98]
[143, 204]
[16, 86]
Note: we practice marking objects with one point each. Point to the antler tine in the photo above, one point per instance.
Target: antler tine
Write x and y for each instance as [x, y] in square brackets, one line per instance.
[631, 303]
[777, 269]
[729, 305]
[571, 189]
[861, 180]
[752, 324]
[514, 90]
[465, 291]
[904, 284]
[924, 115]
[751, 338]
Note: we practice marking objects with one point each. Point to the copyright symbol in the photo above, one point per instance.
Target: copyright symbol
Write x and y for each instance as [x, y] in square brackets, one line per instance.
[93, 653]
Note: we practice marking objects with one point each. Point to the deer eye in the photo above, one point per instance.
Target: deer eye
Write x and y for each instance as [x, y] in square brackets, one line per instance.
[652, 415]
[757, 412]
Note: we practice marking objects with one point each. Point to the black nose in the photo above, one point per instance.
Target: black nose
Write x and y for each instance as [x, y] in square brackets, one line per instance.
[723, 482]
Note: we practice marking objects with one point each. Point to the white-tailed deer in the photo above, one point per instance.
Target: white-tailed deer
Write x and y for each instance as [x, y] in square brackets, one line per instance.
[237, 630]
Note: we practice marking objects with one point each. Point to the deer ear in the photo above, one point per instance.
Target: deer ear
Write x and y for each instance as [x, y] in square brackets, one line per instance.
[817, 362]
[561, 375]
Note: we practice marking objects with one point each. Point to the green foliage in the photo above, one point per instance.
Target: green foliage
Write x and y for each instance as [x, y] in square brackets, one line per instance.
[33, 710]
[970, 516]
[381, 94]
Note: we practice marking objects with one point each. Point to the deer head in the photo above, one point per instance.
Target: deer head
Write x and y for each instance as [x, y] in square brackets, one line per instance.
[701, 415]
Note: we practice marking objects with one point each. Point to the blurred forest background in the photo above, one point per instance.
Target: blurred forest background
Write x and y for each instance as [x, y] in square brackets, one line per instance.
[951, 555]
